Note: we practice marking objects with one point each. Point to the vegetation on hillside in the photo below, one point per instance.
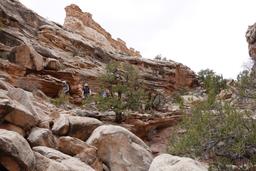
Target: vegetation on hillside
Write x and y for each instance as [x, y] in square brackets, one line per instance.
[215, 131]
[121, 90]
[62, 99]
[212, 83]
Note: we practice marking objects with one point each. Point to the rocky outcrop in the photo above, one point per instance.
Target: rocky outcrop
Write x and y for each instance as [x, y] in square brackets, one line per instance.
[83, 23]
[39, 54]
[251, 40]
[15, 152]
[26, 57]
[166, 162]
[120, 149]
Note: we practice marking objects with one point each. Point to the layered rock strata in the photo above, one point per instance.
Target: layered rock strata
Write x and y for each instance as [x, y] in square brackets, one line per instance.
[37, 54]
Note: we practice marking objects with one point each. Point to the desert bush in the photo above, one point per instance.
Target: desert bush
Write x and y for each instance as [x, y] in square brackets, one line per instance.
[61, 99]
[218, 133]
[246, 84]
[125, 90]
[212, 82]
[158, 57]
[177, 97]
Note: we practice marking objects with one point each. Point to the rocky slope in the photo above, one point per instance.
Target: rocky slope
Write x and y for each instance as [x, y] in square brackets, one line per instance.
[36, 56]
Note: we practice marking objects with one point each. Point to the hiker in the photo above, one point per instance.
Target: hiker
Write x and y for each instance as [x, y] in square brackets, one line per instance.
[105, 93]
[86, 90]
[65, 87]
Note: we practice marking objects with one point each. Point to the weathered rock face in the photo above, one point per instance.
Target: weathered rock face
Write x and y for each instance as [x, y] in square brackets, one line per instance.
[82, 127]
[41, 137]
[73, 164]
[166, 162]
[45, 164]
[15, 113]
[61, 125]
[83, 23]
[120, 149]
[75, 126]
[27, 58]
[251, 40]
[15, 152]
[38, 54]
[13, 128]
[21, 110]
[77, 148]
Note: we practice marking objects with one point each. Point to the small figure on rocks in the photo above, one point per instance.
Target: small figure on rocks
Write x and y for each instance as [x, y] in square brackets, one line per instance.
[66, 87]
[86, 90]
[105, 93]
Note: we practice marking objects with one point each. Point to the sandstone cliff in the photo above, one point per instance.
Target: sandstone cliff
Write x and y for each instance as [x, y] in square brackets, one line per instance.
[39, 54]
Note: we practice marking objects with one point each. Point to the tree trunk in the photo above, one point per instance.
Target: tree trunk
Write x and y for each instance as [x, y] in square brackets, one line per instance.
[119, 117]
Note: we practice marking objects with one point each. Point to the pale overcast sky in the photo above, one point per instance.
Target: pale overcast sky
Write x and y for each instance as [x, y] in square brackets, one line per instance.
[198, 33]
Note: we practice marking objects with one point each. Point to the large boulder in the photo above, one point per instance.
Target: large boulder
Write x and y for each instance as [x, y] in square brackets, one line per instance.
[75, 126]
[25, 98]
[15, 113]
[61, 125]
[45, 164]
[15, 152]
[167, 162]
[27, 57]
[73, 164]
[225, 94]
[41, 137]
[11, 127]
[78, 148]
[52, 64]
[82, 127]
[120, 149]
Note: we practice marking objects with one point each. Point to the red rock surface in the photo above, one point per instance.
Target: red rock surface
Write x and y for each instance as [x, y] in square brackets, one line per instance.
[85, 19]
[53, 53]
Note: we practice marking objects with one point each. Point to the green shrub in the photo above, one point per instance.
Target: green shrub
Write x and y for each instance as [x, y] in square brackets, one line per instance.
[212, 82]
[218, 133]
[61, 99]
[125, 89]
[246, 84]
[177, 97]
